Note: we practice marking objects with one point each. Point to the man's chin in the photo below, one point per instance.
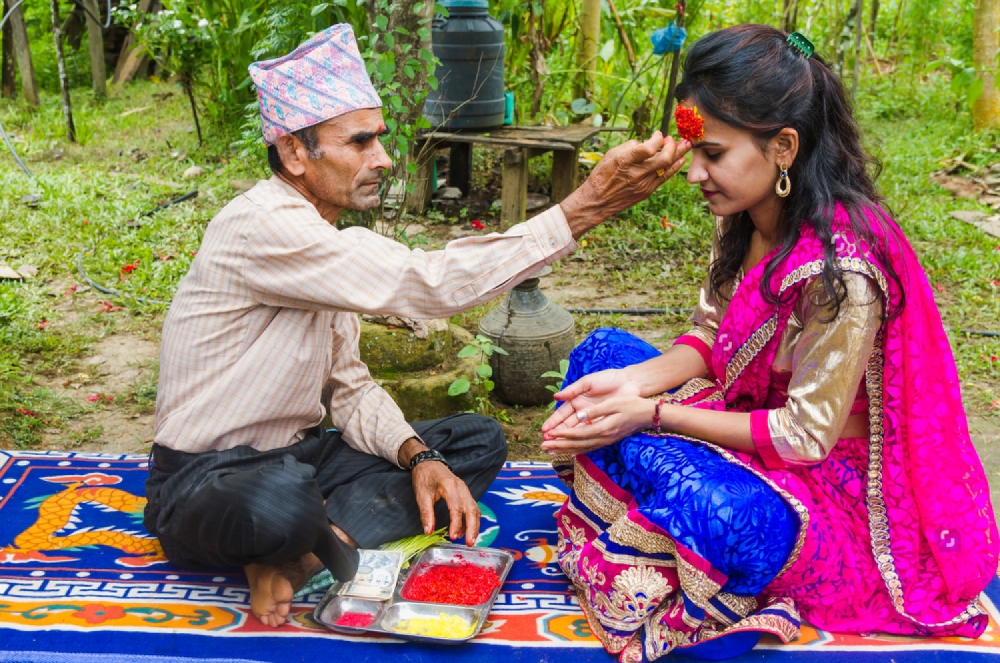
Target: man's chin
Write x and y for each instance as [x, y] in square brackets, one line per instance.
[365, 203]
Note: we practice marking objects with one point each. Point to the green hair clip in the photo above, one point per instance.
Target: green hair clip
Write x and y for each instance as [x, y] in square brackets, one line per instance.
[798, 41]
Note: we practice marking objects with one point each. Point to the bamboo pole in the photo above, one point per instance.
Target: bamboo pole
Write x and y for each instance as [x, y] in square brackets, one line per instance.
[586, 51]
[95, 39]
[63, 76]
[675, 64]
[986, 21]
[22, 49]
[858, 27]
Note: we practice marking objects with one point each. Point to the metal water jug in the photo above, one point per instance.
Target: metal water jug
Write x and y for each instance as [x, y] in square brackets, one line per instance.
[537, 334]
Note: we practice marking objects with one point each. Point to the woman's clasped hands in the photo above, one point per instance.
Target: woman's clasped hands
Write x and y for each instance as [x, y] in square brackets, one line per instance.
[597, 410]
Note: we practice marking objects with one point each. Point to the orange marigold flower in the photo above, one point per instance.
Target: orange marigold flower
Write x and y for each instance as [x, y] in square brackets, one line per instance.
[690, 125]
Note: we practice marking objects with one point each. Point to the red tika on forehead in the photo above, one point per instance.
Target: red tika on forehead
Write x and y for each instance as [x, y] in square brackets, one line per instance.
[690, 125]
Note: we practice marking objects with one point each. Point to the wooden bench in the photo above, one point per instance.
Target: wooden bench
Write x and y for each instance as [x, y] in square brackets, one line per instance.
[520, 144]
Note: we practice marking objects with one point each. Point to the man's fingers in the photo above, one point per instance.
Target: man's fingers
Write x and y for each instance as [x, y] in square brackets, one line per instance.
[471, 522]
[457, 525]
[425, 503]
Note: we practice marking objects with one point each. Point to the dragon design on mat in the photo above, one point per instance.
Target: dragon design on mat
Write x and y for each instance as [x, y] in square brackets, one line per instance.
[56, 526]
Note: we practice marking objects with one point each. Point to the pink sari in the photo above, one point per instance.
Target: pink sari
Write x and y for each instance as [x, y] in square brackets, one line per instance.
[897, 532]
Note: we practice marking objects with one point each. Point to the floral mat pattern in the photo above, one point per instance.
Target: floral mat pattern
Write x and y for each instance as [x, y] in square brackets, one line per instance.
[81, 581]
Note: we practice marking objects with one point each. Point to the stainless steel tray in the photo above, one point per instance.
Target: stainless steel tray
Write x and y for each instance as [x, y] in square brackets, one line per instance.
[387, 614]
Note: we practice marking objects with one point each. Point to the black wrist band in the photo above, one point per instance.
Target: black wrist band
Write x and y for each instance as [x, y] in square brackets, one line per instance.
[430, 454]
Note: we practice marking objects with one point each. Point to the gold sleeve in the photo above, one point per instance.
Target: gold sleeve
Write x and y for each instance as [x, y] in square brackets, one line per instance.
[827, 362]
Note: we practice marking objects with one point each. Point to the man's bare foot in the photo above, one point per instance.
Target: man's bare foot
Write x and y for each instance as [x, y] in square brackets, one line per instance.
[272, 587]
[344, 536]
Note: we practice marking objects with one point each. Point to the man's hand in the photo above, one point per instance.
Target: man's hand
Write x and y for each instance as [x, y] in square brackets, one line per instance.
[433, 481]
[627, 174]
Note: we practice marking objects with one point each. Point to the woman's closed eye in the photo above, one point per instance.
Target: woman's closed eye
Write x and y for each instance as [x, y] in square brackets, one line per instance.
[713, 155]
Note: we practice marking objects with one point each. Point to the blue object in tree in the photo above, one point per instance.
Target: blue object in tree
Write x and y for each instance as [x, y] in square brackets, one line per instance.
[669, 39]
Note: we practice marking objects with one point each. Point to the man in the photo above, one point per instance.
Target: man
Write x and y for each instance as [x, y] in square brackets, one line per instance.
[261, 341]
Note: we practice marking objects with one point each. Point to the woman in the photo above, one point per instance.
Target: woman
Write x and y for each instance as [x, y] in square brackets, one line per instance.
[803, 449]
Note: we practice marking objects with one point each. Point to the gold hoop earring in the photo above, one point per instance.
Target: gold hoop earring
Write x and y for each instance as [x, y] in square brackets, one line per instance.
[783, 186]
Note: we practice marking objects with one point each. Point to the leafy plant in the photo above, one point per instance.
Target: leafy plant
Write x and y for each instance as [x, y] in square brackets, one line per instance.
[561, 374]
[481, 384]
[965, 80]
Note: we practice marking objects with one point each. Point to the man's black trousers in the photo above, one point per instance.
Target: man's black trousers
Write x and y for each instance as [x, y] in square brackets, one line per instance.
[242, 506]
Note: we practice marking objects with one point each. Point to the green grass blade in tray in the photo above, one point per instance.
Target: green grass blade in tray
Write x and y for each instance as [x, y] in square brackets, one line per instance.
[411, 546]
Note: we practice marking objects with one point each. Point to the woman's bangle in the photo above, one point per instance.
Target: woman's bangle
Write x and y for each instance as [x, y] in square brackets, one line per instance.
[656, 415]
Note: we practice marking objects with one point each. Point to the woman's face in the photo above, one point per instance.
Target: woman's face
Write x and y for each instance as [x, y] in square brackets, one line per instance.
[732, 172]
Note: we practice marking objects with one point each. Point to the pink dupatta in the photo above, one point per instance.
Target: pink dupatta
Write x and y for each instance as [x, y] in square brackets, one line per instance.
[929, 519]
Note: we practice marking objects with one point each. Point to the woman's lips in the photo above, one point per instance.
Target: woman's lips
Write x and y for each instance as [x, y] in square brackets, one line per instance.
[707, 193]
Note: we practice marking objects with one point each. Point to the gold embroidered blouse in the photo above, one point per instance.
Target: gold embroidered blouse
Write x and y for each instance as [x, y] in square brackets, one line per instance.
[818, 370]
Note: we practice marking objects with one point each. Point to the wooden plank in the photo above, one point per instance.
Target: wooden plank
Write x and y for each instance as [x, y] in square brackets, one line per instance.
[95, 40]
[131, 57]
[460, 167]
[22, 49]
[514, 199]
[499, 142]
[564, 173]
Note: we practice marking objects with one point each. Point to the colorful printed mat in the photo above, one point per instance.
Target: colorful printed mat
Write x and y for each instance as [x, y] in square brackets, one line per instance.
[82, 582]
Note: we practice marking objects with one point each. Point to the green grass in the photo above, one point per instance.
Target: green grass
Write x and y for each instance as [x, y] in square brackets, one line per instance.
[92, 197]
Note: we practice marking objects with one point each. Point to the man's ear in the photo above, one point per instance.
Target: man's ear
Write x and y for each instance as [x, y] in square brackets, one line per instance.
[785, 146]
[293, 154]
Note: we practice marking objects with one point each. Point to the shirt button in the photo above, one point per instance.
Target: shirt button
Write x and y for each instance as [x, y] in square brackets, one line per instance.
[552, 242]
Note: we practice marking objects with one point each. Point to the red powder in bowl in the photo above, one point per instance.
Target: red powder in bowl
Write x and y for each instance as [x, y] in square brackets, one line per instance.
[355, 619]
[465, 584]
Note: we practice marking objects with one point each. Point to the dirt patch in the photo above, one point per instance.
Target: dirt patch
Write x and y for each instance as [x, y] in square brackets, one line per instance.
[121, 366]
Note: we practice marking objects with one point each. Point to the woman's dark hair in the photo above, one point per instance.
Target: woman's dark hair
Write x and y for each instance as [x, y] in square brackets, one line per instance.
[750, 78]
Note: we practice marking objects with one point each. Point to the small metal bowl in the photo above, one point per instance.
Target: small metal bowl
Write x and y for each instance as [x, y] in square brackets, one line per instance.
[402, 611]
[334, 609]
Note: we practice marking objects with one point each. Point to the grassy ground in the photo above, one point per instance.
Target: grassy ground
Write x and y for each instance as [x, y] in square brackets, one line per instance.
[74, 368]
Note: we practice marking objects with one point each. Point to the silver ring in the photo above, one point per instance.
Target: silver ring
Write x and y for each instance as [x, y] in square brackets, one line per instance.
[581, 415]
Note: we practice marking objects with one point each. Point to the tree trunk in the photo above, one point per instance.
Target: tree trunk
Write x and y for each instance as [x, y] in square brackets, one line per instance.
[7, 74]
[23, 51]
[63, 75]
[586, 48]
[95, 39]
[985, 22]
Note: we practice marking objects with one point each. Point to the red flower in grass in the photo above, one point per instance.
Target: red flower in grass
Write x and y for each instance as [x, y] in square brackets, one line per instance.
[98, 613]
[107, 307]
[939, 288]
[43, 324]
[478, 225]
[665, 222]
[128, 269]
[690, 125]
[27, 413]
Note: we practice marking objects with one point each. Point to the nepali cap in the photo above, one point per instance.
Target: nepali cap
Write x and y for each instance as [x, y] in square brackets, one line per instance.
[323, 78]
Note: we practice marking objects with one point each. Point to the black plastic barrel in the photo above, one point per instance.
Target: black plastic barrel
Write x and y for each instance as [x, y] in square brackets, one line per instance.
[470, 45]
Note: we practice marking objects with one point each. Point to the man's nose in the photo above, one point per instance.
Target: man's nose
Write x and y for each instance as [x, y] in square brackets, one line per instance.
[381, 160]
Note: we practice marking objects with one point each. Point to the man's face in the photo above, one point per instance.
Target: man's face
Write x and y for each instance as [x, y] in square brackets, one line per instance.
[346, 169]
